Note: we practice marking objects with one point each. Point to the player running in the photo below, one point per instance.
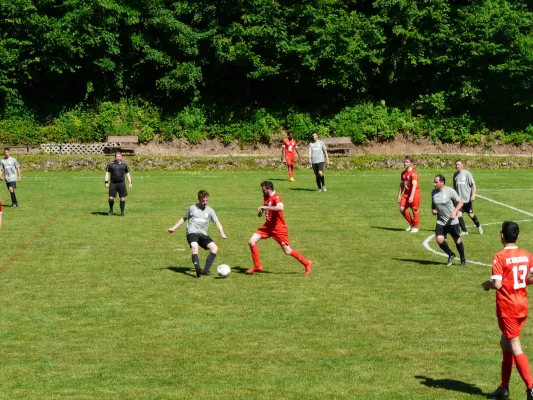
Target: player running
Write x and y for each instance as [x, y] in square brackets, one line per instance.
[511, 273]
[409, 195]
[288, 150]
[274, 227]
[465, 186]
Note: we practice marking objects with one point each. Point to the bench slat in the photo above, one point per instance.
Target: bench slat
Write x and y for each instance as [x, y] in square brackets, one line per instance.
[123, 139]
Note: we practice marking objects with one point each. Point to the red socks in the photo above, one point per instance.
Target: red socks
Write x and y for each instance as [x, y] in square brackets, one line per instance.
[255, 256]
[522, 364]
[416, 216]
[299, 257]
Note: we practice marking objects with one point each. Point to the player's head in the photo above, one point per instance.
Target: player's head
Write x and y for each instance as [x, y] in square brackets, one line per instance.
[439, 181]
[510, 232]
[203, 198]
[290, 134]
[267, 186]
[6, 151]
[459, 165]
[118, 155]
[408, 161]
[315, 136]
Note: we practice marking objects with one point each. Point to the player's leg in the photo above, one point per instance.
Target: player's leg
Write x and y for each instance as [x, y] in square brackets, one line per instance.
[322, 179]
[213, 250]
[415, 205]
[112, 193]
[256, 237]
[195, 258]
[456, 235]
[462, 224]
[317, 177]
[514, 326]
[474, 219]
[308, 264]
[123, 192]
[439, 238]
[11, 187]
[405, 212]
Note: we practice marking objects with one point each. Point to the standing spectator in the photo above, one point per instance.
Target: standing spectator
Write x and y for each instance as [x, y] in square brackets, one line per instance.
[409, 195]
[10, 169]
[198, 216]
[511, 273]
[117, 169]
[288, 150]
[446, 204]
[318, 158]
[465, 186]
[274, 227]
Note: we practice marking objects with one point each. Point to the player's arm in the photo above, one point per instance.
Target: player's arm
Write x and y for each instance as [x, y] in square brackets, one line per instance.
[18, 172]
[277, 207]
[106, 179]
[474, 187]
[413, 188]
[220, 229]
[492, 283]
[296, 150]
[282, 153]
[309, 156]
[175, 227]
[434, 208]
[326, 154]
[129, 178]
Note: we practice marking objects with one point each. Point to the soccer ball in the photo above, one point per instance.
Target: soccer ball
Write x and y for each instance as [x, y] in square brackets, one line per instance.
[223, 270]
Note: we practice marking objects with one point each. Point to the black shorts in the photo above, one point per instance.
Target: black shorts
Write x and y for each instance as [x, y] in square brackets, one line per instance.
[201, 239]
[318, 167]
[119, 187]
[468, 207]
[11, 184]
[453, 230]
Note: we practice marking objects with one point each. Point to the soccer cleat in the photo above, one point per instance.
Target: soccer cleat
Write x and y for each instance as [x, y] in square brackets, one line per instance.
[529, 394]
[450, 260]
[198, 272]
[409, 227]
[292, 179]
[308, 267]
[414, 230]
[463, 263]
[465, 233]
[121, 214]
[207, 273]
[324, 189]
[499, 393]
[319, 190]
[254, 269]
[15, 205]
[110, 213]
[480, 229]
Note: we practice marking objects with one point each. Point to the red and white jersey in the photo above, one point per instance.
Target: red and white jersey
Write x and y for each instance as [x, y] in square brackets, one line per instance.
[290, 146]
[274, 219]
[512, 266]
[408, 178]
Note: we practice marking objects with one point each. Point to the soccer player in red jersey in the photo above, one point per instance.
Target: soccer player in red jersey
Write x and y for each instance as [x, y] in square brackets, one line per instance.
[511, 273]
[409, 194]
[288, 150]
[274, 227]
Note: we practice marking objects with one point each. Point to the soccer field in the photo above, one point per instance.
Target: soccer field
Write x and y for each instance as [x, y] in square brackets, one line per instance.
[98, 307]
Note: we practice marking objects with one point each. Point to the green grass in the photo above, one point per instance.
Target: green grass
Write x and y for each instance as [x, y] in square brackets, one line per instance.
[106, 308]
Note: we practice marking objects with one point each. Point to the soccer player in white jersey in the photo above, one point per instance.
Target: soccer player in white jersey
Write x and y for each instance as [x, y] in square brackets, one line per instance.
[199, 216]
[465, 186]
[10, 172]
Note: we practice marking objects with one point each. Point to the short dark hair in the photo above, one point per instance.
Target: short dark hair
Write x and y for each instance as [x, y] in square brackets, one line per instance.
[268, 185]
[441, 178]
[410, 158]
[288, 133]
[510, 231]
[6, 149]
[118, 152]
[202, 194]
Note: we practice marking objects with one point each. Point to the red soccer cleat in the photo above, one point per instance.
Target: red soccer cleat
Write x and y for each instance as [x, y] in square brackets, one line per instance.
[308, 268]
[254, 269]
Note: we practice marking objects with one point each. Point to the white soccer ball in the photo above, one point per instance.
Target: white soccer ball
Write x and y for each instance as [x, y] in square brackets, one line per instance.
[223, 270]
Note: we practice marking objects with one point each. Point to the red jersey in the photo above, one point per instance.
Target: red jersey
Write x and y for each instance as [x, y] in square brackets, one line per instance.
[408, 178]
[511, 267]
[274, 219]
[290, 147]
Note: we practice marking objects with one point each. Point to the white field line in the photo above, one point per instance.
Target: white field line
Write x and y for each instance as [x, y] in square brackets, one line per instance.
[429, 238]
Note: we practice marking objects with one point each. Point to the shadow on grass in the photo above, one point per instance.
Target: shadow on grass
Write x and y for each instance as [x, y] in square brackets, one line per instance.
[183, 270]
[276, 179]
[99, 213]
[304, 189]
[450, 384]
[386, 228]
[422, 262]
[241, 270]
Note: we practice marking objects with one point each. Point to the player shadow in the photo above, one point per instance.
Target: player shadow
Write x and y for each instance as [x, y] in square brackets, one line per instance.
[276, 179]
[183, 270]
[241, 270]
[422, 262]
[99, 213]
[304, 189]
[387, 228]
[450, 384]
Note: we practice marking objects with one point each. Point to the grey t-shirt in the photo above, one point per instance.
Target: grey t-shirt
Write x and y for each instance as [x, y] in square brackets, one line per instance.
[462, 183]
[317, 150]
[9, 165]
[198, 219]
[444, 201]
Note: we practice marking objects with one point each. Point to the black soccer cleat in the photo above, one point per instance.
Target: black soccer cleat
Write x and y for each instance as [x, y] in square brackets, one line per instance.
[121, 214]
[463, 263]
[207, 273]
[15, 205]
[450, 260]
[529, 394]
[198, 272]
[501, 393]
[110, 213]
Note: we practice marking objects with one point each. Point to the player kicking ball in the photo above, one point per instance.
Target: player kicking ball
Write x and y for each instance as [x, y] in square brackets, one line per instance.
[274, 227]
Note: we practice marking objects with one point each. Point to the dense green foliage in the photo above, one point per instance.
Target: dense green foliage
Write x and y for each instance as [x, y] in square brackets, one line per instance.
[85, 69]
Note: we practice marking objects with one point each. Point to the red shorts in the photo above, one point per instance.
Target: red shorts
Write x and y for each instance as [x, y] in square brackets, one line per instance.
[289, 160]
[282, 237]
[414, 205]
[511, 327]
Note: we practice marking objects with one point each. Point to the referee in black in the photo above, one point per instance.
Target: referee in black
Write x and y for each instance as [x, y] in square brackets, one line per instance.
[117, 169]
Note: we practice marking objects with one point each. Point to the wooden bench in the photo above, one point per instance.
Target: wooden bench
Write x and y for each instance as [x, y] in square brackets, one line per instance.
[27, 147]
[338, 144]
[121, 143]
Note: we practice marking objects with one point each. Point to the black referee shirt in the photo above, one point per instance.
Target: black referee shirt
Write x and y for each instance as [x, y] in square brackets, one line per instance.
[117, 171]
